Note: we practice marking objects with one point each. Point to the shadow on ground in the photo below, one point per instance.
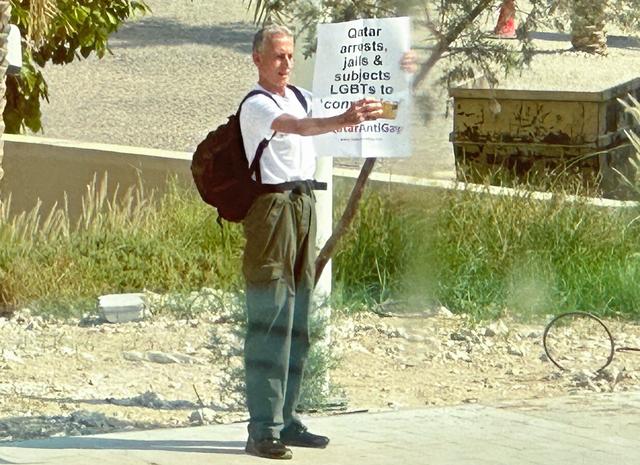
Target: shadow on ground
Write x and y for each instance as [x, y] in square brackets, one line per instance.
[79, 423]
[147, 400]
[151, 32]
[208, 447]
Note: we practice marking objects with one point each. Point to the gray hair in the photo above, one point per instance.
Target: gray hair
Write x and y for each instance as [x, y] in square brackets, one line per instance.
[266, 33]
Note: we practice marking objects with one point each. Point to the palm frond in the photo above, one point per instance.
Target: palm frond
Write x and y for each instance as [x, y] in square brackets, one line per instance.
[41, 13]
[267, 11]
[261, 9]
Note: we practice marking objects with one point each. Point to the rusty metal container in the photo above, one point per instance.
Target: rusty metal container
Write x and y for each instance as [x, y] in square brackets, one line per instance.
[544, 137]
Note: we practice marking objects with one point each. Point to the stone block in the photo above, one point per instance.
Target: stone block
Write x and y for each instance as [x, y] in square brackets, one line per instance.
[120, 308]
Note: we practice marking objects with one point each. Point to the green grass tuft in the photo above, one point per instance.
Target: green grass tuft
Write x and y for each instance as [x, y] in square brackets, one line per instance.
[484, 255]
[130, 244]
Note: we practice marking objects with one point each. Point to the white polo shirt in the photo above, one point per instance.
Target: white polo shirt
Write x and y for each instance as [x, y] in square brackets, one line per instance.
[288, 157]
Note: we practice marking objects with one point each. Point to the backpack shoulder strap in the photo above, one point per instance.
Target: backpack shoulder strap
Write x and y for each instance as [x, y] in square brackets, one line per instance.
[256, 92]
[255, 164]
[294, 89]
[300, 97]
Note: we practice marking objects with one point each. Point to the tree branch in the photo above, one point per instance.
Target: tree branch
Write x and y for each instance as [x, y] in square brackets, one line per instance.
[445, 42]
[356, 194]
[347, 217]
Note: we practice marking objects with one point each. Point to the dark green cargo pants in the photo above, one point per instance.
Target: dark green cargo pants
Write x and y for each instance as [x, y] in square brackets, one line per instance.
[279, 271]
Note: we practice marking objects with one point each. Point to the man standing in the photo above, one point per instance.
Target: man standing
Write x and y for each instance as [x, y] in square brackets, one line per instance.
[279, 256]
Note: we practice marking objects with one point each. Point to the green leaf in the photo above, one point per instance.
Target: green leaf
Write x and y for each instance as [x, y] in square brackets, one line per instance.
[112, 19]
[82, 13]
[79, 28]
[86, 37]
[29, 79]
[86, 51]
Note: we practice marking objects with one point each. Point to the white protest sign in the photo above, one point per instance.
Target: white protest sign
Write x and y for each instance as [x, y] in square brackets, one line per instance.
[359, 59]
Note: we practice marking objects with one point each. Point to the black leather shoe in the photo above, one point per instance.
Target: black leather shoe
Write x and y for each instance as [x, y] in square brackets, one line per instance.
[298, 436]
[270, 448]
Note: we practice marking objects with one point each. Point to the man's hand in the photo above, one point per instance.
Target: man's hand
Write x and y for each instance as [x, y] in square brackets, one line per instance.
[365, 109]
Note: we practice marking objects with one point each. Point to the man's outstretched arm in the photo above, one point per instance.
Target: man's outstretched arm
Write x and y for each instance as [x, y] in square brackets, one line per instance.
[358, 112]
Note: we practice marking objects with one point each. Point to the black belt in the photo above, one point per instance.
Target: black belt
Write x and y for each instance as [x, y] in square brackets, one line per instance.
[299, 187]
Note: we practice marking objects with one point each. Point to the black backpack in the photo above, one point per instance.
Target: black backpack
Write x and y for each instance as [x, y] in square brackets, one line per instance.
[220, 168]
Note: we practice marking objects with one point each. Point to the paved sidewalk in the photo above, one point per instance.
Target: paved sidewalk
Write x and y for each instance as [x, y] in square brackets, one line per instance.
[598, 429]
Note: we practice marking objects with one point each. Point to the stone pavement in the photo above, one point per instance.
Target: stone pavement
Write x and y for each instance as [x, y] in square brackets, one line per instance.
[598, 429]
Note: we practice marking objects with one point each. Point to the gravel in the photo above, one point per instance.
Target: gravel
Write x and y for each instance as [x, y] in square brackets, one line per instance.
[74, 377]
[557, 67]
[173, 75]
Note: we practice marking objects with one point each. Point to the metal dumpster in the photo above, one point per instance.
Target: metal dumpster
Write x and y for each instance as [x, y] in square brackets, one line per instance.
[544, 138]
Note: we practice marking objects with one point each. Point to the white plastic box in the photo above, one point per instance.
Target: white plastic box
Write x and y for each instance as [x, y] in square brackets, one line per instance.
[120, 308]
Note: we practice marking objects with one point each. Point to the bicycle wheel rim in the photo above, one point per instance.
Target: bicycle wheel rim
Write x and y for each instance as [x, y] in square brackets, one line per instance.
[555, 321]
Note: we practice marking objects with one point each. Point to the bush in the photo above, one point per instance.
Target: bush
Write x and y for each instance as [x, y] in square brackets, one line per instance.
[126, 245]
[483, 255]
[471, 252]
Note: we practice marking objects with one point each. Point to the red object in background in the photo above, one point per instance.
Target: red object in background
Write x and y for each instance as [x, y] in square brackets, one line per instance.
[506, 26]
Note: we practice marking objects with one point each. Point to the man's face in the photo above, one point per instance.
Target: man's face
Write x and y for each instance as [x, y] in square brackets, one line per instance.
[275, 62]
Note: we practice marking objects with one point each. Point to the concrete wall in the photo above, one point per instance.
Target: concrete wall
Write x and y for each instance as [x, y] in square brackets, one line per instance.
[38, 168]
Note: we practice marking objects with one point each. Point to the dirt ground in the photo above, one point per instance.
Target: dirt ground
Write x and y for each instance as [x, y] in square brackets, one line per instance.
[85, 377]
[445, 359]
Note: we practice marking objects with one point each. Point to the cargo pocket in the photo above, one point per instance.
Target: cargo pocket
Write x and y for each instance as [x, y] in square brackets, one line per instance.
[267, 294]
[266, 246]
